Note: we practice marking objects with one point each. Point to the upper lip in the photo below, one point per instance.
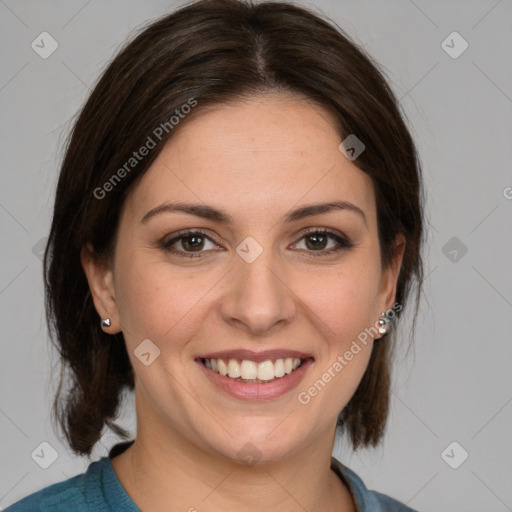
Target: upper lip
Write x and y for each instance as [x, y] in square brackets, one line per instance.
[257, 357]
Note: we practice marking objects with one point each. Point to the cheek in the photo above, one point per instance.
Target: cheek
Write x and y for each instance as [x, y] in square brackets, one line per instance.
[344, 301]
[335, 378]
[343, 304]
[159, 302]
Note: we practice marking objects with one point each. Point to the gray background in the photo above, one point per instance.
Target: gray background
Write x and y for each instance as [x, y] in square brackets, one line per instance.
[456, 386]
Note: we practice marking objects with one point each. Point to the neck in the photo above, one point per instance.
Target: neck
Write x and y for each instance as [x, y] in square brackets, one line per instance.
[163, 468]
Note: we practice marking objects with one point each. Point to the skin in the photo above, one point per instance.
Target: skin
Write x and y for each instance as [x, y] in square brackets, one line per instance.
[256, 159]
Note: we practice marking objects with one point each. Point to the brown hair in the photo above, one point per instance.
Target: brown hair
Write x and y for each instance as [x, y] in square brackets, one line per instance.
[215, 51]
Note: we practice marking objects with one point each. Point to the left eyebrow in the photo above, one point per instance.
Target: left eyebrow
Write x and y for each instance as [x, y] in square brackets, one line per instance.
[319, 208]
[209, 212]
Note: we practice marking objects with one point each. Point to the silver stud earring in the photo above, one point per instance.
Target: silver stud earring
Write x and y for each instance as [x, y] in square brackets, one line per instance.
[384, 321]
[105, 322]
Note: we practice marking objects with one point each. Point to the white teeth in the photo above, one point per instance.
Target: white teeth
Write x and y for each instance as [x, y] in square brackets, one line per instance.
[266, 370]
[279, 368]
[222, 368]
[250, 370]
[233, 369]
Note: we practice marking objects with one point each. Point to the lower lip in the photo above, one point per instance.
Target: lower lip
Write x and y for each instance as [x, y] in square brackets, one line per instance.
[253, 391]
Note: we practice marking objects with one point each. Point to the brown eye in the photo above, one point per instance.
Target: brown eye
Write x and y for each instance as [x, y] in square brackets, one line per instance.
[192, 242]
[186, 243]
[317, 242]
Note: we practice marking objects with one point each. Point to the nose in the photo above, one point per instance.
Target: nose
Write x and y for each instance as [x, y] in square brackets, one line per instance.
[258, 297]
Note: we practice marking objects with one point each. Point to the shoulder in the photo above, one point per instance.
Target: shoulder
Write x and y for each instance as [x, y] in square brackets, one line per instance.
[389, 504]
[367, 500]
[70, 494]
[66, 495]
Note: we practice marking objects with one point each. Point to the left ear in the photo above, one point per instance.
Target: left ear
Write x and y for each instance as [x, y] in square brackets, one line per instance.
[389, 277]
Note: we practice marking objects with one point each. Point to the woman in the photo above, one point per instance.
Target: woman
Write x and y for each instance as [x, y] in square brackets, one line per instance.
[237, 230]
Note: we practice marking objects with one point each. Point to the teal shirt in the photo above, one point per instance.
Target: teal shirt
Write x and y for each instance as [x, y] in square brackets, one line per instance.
[99, 490]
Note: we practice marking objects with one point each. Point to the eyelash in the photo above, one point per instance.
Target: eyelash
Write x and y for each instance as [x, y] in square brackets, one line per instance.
[343, 243]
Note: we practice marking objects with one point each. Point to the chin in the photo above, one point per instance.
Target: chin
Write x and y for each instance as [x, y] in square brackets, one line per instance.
[257, 445]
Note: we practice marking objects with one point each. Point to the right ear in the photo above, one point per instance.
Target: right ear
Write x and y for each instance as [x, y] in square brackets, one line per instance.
[100, 279]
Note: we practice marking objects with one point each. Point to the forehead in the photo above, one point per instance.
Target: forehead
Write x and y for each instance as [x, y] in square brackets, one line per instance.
[255, 158]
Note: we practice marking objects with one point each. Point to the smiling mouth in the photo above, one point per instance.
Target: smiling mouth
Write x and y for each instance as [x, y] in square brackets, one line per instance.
[247, 371]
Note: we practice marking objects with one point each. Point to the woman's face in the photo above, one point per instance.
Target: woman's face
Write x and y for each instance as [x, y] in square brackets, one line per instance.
[257, 288]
